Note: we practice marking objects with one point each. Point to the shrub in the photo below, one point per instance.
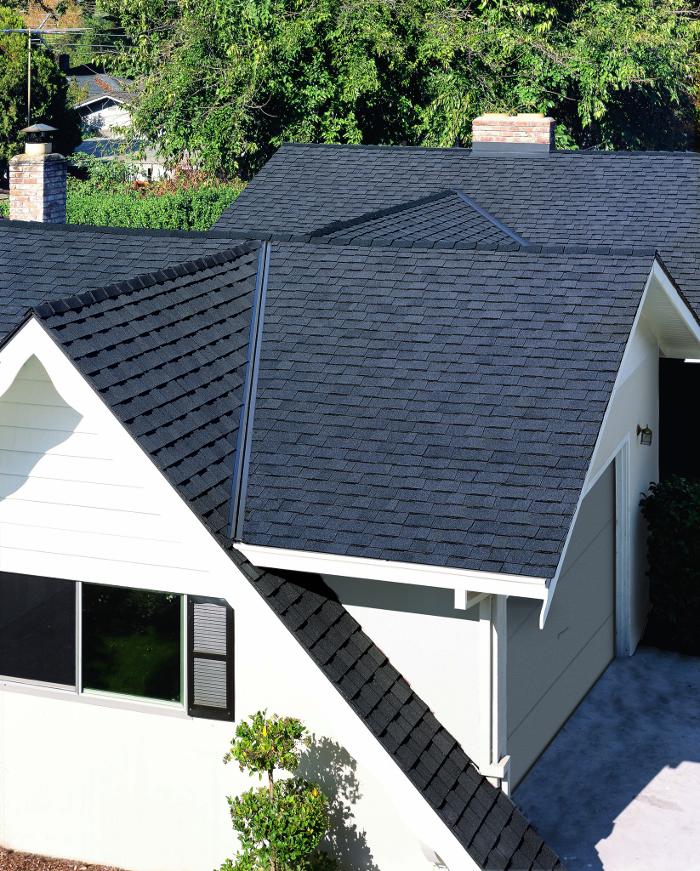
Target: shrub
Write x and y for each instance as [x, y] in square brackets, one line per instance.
[4, 208]
[184, 209]
[279, 825]
[672, 511]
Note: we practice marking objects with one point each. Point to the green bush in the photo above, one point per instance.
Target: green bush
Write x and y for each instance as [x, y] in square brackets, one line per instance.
[279, 825]
[4, 208]
[184, 209]
[672, 511]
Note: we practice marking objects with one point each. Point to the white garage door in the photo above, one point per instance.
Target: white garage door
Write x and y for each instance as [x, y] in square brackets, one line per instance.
[550, 671]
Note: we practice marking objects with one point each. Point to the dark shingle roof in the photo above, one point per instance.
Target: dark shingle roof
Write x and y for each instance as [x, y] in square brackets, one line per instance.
[589, 198]
[433, 407]
[168, 353]
[446, 219]
[41, 261]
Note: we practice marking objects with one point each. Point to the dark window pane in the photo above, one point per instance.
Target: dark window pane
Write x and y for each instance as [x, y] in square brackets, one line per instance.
[131, 642]
[37, 628]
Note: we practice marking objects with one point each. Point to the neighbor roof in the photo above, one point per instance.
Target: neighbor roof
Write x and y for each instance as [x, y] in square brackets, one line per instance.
[168, 353]
[432, 407]
[101, 85]
[47, 261]
[586, 198]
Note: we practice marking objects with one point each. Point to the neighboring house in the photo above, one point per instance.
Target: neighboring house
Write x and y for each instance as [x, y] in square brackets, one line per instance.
[105, 112]
[374, 446]
[104, 103]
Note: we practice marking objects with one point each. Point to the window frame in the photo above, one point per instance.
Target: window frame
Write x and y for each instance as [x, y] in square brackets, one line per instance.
[111, 699]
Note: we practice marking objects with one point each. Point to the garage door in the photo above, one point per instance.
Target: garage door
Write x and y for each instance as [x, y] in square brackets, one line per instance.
[550, 671]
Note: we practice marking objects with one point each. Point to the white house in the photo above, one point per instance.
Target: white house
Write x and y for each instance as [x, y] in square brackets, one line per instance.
[369, 453]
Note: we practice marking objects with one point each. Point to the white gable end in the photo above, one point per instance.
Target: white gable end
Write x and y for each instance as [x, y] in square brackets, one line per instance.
[79, 499]
[73, 505]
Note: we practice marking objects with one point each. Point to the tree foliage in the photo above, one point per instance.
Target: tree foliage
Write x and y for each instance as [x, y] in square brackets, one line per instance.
[49, 91]
[226, 81]
[280, 825]
[671, 509]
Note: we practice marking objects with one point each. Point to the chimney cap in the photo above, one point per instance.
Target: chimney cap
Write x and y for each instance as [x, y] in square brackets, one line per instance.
[39, 132]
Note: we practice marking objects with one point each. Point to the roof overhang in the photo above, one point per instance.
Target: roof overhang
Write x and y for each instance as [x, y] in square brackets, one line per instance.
[466, 584]
[97, 99]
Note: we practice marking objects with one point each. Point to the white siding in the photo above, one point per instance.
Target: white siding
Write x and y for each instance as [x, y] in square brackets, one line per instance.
[551, 670]
[432, 644]
[68, 508]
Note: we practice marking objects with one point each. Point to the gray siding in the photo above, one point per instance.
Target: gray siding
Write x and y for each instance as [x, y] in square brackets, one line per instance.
[551, 670]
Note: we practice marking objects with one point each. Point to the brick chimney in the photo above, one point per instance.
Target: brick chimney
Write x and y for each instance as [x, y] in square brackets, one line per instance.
[526, 133]
[38, 180]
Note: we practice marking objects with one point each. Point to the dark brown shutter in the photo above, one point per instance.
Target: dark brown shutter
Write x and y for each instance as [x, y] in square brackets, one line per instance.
[210, 661]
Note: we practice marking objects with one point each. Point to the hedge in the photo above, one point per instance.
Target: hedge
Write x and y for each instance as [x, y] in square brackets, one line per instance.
[672, 511]
[186, 209]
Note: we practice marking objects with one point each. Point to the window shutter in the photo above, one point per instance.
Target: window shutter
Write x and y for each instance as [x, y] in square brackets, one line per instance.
[210, 661]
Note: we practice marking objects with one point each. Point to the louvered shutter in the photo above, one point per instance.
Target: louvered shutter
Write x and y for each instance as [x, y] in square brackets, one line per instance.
[211, 664]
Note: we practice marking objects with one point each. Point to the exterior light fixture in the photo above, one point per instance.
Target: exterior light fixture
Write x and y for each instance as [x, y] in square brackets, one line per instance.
[645, 434]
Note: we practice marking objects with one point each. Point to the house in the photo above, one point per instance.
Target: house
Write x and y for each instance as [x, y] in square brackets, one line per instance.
[104, 103]
[368, 453]
[105, 112]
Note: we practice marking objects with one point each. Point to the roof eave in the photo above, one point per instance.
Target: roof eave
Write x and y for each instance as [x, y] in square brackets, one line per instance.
[462, 581]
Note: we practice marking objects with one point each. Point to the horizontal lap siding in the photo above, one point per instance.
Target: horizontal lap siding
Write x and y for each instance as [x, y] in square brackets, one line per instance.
[70, 506]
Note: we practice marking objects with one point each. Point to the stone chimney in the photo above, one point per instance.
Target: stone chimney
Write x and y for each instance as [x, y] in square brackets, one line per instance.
[526, 133]
[38, 180]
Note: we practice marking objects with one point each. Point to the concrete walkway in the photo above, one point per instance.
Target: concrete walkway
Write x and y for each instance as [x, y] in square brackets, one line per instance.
[619, 788]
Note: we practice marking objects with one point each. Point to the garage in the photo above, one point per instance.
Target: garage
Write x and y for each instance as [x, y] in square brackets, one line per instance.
[550, 671]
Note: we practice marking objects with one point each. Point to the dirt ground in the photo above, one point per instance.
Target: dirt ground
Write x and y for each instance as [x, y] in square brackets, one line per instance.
[11, 861]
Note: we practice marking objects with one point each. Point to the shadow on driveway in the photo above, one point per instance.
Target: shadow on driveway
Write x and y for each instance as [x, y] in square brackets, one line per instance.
[619, 787]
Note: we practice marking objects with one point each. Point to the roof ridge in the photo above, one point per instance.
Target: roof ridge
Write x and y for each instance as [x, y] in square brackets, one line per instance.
[6, 223]
[547, 248]
[476, 206]
[459, 149]
[75, 302]
[372, 215]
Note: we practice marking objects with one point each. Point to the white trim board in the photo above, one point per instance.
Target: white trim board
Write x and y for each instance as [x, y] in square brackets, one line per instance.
[420, 574]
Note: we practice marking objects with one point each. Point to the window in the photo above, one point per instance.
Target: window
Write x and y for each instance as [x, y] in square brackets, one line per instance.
[132, 642]
[126, 642]
[37, 629]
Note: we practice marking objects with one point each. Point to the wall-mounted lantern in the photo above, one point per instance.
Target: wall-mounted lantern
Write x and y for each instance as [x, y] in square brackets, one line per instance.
[644, 434]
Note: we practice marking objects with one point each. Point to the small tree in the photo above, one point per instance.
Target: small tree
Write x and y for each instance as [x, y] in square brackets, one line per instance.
[281, 824]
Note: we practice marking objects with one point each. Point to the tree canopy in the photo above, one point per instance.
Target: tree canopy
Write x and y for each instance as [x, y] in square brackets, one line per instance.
[49, 91]
[227, 81]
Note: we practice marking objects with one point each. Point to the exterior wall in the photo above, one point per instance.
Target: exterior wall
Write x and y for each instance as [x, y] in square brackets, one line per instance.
[635, 401]
[550, 671]
[104, 122]
[38, 188]
[141, 786]
[69, 509]
[435, 647]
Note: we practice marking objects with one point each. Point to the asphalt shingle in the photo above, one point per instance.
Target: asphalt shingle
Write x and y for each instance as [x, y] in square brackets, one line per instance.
[433, 407]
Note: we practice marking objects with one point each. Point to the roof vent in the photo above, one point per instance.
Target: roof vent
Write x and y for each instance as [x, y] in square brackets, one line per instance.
[525, 133]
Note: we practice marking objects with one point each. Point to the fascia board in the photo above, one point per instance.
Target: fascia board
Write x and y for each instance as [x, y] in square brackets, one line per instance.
[390, 571]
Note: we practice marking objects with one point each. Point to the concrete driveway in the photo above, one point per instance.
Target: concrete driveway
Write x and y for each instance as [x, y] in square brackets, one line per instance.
[619, 787]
